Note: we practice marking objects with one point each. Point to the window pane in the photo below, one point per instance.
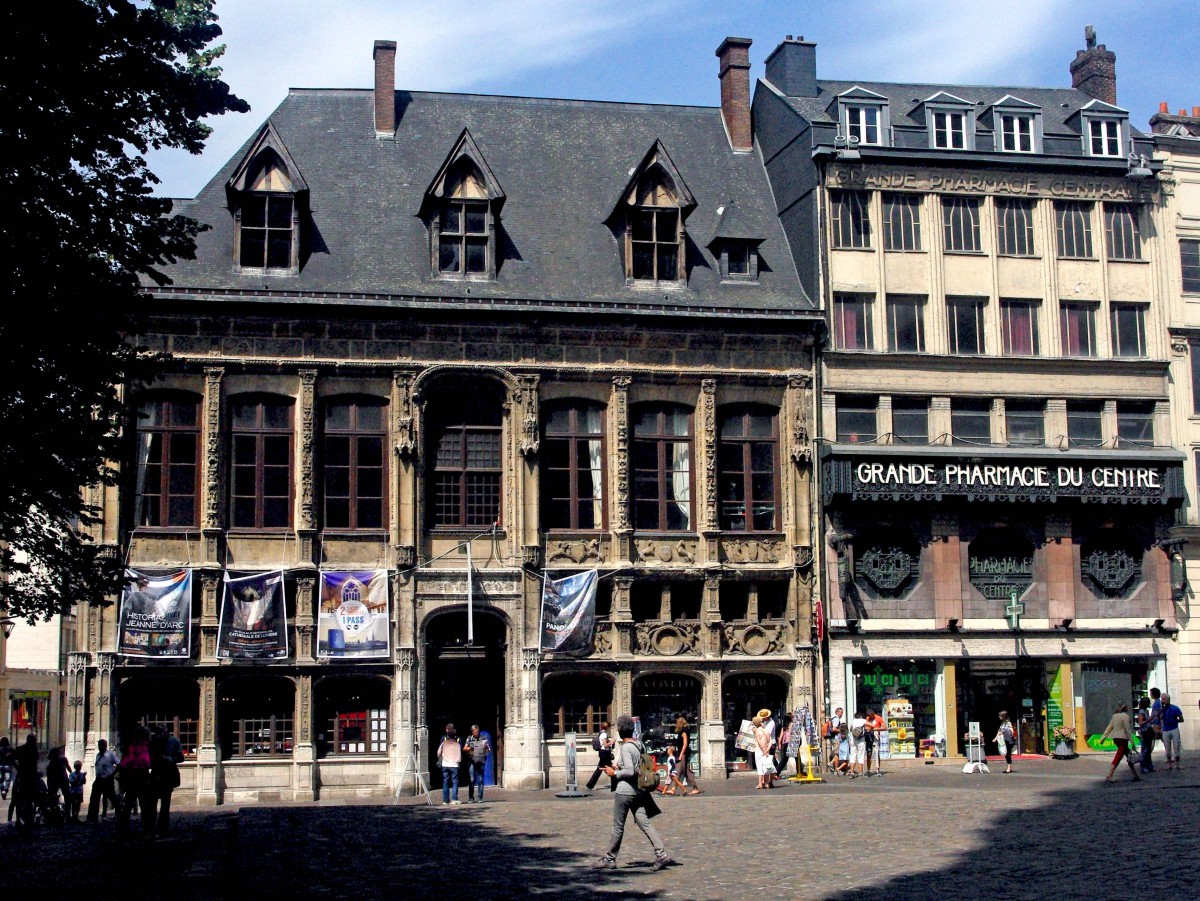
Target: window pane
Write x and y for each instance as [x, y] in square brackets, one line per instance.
[852, 325]
[448, 255]
[253, 247]
[1073, 228]
[965, 326]
[279, 213]
[643, 261]
[971, 421]
[1135, 424]
[856, 423]
[337, 416]
[476, 219]
[476, 255]
[1128, 330]
[337, 512]
[668, 255]
[1077, 328]
[910, 420]
[906, 323]
[1189, 259]
[279, 250]
[643, 225]
[254, 212]
[452, 219]
[277, 416]
[1018, 327]
[739, 258]
[1025, 423]
[1084, 424]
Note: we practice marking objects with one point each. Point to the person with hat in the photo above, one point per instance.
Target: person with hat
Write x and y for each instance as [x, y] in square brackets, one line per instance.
[768, 722]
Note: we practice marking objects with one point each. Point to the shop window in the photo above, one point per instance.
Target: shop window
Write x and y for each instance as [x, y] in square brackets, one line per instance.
[1019, 328]
[1085, 424]
[1014, 227]
[852, 326]
[904, 693]
[742, 696]
[1107, 683]
[906, 322]
[902, 222]
[734, 600]
[465, 430]
[1025, 423]
[1189, 262]
[1073, 230]
[658, 702]
[168, 471]
[687, 599]
[351, 716]
[971, 421]
[572, 466]
[162, 700]
[964, 317]
[1122, 233]
[27, 713]
[260, 493]
[748, 469]
[354, 464]
[850, 220]
[1135, 424]
[186, 729]
[910, 420]
[646, 602]
[1128, 329]
[1077, 329]
[662, 468]
[576, 703]
[960, 224]
[255, 717]
[856, 420]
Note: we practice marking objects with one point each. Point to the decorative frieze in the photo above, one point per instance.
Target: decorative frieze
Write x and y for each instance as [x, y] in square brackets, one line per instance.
[581, 550]
[667, 639]
[751, 550]
[213, 376]
[620, 408]
[708, 443]
[755, 639]
[307, 440]
[655, 552]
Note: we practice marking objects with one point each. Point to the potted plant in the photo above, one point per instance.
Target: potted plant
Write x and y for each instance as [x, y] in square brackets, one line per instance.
[1064, 743]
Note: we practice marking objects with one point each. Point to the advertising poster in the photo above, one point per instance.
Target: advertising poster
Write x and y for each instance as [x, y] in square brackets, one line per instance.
[253, 618]
[569, 613]
[156, 616]
[745, 738]
[352, 622]
[1054, 705]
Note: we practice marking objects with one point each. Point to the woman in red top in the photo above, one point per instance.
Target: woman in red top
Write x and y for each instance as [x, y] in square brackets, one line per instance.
[133, 773]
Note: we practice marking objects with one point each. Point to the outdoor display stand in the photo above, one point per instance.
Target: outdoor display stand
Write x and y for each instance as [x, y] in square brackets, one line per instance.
[572, 789]
[976, 760]
[808, 754]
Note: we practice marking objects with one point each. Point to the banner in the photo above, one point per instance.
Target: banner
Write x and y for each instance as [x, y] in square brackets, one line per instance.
[352, 623]
[156, 616]
[569, 612]
[253, 618]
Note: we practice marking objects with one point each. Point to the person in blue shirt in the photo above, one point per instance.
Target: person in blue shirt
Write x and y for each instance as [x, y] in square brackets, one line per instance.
[1171, 717]
[843, 750]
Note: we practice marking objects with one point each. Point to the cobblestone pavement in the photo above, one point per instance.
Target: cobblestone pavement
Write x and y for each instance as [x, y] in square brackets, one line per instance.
[1052, 829]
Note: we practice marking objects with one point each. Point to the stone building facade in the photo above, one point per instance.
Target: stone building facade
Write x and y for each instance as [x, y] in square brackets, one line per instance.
[477, 343]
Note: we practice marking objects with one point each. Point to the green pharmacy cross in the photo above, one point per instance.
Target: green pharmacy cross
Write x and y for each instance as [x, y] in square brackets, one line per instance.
[1014, 610]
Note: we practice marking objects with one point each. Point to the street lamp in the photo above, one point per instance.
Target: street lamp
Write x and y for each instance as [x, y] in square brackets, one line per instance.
[8, 625]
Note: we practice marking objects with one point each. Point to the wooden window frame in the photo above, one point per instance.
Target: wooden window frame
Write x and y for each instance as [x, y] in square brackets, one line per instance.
[1029, 411]
[902, 222]
[1073, 230]
[1123, 232]
[462, 238]
[842, 302]
[1011, 133]
[850, 220]
[1123, 345]
[862, 128]
[1077, 329]
[575, 437]
[955, 309]
[260, 434]
[243, 231]
[476, 487]
[962, 408]
[745, 472]
[1010, 308]
[167, 435]
[1189, 265]
[356, 437]
[853, 404]
[1108, 143]
[949, 129]
[661, 441]
[897, 304]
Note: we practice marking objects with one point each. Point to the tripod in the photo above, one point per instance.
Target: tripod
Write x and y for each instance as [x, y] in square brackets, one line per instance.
[411, 769]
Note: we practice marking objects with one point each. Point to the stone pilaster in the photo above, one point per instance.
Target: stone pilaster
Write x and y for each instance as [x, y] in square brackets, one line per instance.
[208, 755]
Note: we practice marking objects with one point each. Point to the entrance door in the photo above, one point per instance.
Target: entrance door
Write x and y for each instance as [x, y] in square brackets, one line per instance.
[465, 684]
[1017, 687]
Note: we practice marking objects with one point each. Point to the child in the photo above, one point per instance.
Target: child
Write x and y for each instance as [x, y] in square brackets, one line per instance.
[75, 783]
[671, 777]
[843, 752]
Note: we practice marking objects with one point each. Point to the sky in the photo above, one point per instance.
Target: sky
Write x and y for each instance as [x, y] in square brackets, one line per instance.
[663, 51]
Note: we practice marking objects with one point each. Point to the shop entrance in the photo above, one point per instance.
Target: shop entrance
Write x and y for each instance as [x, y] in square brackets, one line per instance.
[658, 702]
[464, 685]
[985, 687]
[742, 696]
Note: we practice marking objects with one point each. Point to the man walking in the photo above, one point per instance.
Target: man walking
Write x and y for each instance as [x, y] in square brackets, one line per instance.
[605, 742]
[1172, 716]
[628, 798]
[477, 748]
[449, 754]
[858, 746]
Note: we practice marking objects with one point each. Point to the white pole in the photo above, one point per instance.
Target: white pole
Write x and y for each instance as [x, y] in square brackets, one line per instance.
[470, 600]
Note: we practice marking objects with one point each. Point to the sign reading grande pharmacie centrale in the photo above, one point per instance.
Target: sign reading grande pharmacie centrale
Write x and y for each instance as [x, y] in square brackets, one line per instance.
[1001, 479]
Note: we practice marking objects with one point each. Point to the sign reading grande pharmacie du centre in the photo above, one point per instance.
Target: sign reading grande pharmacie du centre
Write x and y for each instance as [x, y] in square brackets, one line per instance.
[1140, 477]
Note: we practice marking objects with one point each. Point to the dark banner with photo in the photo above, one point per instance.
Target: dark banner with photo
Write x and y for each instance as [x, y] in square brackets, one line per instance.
[352, 623]
[156, 616]
[253, 618]
[569, 613]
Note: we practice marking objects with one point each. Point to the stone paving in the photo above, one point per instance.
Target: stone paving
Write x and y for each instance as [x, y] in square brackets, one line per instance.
[1052, 829]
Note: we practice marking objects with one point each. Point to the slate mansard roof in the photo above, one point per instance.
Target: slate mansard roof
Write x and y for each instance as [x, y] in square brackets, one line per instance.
[562, 165]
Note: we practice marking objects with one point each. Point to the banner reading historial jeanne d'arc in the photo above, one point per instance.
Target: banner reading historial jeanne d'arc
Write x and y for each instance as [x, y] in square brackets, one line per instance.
[253, 618]
[156, 615]
[352, 623]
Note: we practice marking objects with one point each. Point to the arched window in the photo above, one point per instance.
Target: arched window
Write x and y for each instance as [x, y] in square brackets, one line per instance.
[465, 449]
[748, 469]
[168, 471]
[260, 493]
[573, 466]
[662, 468]
[354, 466]
[654, 231]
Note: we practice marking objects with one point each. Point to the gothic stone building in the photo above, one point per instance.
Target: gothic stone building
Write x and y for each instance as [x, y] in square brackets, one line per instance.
[472, 340]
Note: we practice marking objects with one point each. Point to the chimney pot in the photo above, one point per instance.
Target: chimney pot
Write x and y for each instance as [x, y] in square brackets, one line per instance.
[384, 55]
[734, 73]
[1183, 112]
[1196, 112]
[1162, 107]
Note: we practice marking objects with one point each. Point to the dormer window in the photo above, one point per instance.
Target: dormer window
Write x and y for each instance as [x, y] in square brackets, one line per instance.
[464, 228]
[950, 121]
[654, 235]
[735, 243]
[950, 130]
[267, 235]
[1016, 125]
[1016, 133]
[862, 122]
[268, 197]
[1104, 137]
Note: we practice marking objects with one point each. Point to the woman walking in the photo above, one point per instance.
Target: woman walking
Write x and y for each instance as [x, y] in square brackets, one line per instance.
[762, 755]
[1006, 740]
[1119, 729]
[683, 769]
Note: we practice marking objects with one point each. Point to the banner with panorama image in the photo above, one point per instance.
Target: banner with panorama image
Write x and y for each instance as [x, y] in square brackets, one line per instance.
[352, 623]
[156, 615]
[253, 618]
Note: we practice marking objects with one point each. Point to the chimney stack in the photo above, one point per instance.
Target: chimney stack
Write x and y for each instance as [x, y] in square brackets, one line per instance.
[792, 67]
[734, 54]
[1094, 70]
[385, 88]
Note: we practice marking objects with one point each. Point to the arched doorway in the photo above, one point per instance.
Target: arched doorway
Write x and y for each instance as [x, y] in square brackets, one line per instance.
[464, 683]
[659, 699]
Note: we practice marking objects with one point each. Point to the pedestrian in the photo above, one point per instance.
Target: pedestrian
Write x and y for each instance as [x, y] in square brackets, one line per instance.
[134, 774]
[25, 788]
[603, 745]
[166, 753]
[58, 778]
[858, 746]
[478, 748]
[75, 783]
[668, 788]
[449, 755]
[876, 727]
[1172, 716]
[781, 747]
[762, 753]
[1120, 730]
[1145, 732]
[630, 798]
[772, 727]
[1006, 740]
[104, 777]
[833, 730]
[683, 766]
[6, 767]
[843, 750]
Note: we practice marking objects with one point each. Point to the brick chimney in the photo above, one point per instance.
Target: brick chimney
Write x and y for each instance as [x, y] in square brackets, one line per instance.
[1163, 123]
[792, 67]
[734, 54]
[385, 88]
[1094, 70]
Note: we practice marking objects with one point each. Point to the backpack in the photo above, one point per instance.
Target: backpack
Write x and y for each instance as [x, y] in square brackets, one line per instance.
[647, 772]
[596, 742]
[857, 731]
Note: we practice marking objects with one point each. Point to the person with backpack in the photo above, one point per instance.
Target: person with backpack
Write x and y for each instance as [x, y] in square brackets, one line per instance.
[832, 733]
[858, 746]
[636, 779]
[1006, 740]
[602, 743]
[478, 748]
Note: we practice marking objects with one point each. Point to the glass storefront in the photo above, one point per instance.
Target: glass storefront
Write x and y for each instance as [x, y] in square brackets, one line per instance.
[1104, 685]
[658, 701]
[905, 694]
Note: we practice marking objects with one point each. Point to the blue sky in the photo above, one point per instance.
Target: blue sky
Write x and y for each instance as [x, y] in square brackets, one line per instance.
[662, 51]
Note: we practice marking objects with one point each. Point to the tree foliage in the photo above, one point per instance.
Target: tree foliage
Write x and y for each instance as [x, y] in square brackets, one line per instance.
[87, 88]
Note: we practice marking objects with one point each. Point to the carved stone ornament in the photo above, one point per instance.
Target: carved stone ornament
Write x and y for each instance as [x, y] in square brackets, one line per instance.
[529, 658]
[531, 554]
[406, 555]
[669, 639]
[406, 658]
[405, 422]
[576, 551]
[527, 396]
[888, 569]
[754, 639]
[1179, 346]
[802, 556]
[620, 405]
[602, 643]
[656, 552]
[751, 550]
[1111, 570]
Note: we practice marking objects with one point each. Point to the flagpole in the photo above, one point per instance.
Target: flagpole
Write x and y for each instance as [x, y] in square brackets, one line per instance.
[470, 600]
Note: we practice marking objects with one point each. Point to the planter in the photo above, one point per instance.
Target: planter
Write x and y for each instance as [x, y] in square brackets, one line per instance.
[1064, 751]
